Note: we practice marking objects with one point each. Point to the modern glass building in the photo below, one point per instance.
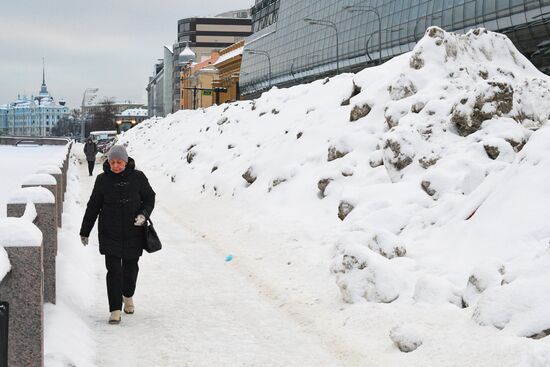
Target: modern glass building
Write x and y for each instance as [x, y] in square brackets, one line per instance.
[317, 38]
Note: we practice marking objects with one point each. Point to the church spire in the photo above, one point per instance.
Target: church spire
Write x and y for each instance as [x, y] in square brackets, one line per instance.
[43, 88]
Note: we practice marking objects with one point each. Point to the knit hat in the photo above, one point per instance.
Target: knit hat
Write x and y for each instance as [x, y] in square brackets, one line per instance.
[118, 152]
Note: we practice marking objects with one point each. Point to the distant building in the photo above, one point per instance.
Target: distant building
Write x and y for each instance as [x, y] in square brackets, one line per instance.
[155, 91]
[229, 68]
[196, 83]
[204, 35]
[130, 118]
[212, 81]
[3, 119]
[159, 89]
[34, 116]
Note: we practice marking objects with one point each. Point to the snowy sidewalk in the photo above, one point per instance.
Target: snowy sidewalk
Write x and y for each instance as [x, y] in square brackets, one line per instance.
[193, 309]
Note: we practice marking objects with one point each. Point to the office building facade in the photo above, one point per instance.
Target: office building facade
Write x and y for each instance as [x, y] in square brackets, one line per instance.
[313, 39]
[204, 35]
[264, 13]
[159, 88]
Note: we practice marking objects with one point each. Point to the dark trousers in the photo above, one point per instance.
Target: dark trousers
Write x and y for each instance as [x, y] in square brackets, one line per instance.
[91, 167]
[121, 279]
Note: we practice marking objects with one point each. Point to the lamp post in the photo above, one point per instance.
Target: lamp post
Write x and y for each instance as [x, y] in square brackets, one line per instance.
[266, 54]
[328, 23]
[83, 117]
[368, 40]
[369, 9]
[432, 17]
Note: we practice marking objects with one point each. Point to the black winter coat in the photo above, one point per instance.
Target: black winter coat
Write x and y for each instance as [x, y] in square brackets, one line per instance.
[117, 199]
[90, 149]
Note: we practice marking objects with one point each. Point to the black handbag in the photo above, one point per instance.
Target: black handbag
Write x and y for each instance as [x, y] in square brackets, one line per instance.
[152, 241]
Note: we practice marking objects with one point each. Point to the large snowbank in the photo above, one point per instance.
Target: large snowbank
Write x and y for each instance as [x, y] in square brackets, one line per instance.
[429, 169]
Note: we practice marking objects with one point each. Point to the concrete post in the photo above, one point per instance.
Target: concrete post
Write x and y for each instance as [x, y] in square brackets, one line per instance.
[56, 172]
[50, 183]
[66, 166]
[63, 164]
[22, 289]
[64, 170]
[46, 220]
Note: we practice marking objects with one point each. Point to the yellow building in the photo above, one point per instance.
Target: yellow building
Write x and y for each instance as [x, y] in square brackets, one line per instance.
[212, 81]
[196, 84]
[229, 68]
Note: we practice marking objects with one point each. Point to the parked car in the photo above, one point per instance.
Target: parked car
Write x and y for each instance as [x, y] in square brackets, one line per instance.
[104, 139]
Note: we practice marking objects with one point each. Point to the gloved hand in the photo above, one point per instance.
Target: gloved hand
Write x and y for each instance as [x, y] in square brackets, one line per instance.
[84, 240]
[140, 220]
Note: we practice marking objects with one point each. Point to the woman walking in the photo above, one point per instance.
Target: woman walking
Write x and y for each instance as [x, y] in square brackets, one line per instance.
[122, 197]
[90, 149]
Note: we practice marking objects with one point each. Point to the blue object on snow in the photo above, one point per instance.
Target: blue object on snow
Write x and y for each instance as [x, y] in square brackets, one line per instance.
[229, 257]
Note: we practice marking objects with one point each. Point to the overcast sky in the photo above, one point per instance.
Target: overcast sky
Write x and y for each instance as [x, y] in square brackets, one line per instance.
[106, 44]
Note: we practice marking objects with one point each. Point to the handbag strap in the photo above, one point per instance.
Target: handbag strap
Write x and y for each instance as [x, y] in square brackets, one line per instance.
[146, 214]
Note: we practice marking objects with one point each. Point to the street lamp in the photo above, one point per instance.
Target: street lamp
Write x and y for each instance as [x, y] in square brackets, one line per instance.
[369, 9]
[328, 23]
[266, 54]
[432, 17]
[305, 57]
[368, 40]
[83, 118]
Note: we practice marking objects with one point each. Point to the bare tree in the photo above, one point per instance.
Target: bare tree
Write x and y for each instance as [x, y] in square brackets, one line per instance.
[104, 117]
[68, 125]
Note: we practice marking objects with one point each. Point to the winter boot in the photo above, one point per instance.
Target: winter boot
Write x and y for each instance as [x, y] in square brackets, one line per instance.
[128, 305]
[114, 319]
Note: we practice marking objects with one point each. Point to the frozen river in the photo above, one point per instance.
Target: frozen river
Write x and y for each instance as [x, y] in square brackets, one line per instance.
[16, 163]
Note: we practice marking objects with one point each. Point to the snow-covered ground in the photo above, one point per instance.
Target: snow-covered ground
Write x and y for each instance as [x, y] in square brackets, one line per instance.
[339, 223]
[411, 193]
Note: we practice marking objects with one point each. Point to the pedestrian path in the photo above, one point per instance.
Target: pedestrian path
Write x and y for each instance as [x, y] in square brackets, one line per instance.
[194, 309]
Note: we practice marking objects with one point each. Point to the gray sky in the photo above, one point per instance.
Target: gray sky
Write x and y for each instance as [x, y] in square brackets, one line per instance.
[111, 45]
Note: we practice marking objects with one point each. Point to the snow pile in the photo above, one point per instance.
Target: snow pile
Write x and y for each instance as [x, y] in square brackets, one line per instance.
[20, 232]
[35, 194]
[17, 232]
[405, 337]
[39, 179]
[428, 169]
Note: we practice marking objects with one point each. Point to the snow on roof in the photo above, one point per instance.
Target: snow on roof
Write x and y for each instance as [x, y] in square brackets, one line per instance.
[102, 132]
[134, 112]
[37, 195]
[18, 232]
[187, 51]
[229, 55]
